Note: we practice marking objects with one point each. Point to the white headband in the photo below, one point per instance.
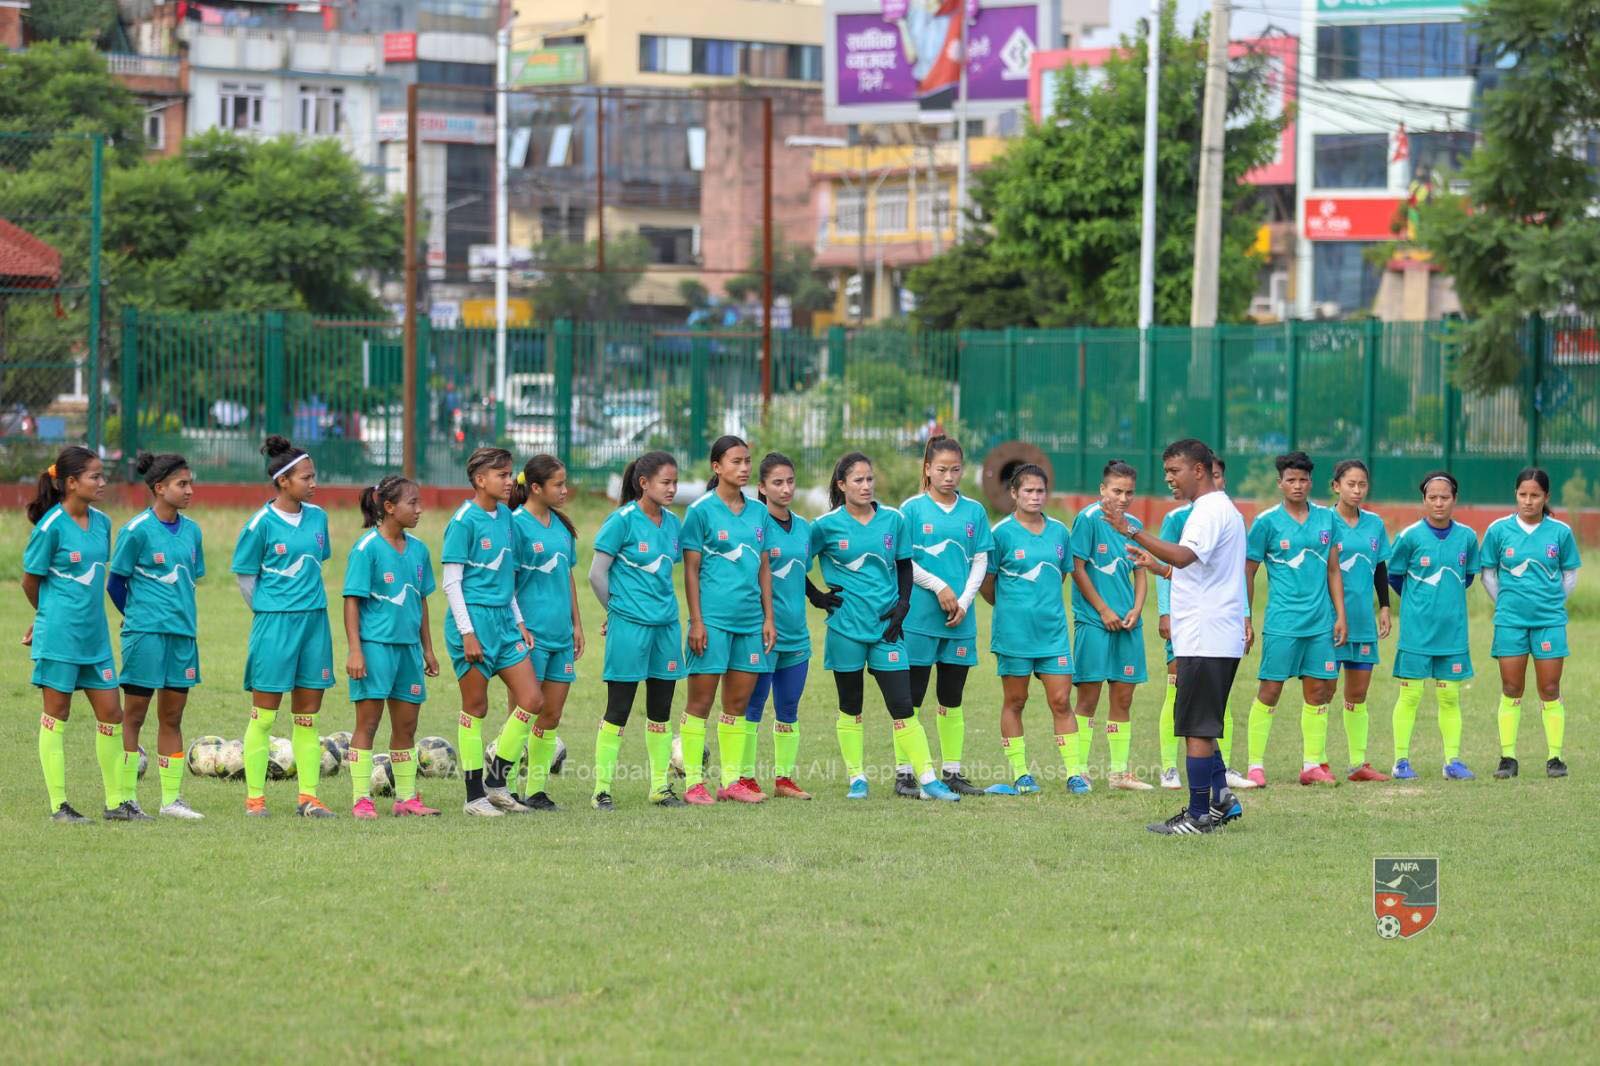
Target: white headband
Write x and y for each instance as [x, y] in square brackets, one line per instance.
[289, 465]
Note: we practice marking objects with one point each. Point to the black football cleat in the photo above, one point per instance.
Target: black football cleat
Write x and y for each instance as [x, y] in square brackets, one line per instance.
[1507, 768]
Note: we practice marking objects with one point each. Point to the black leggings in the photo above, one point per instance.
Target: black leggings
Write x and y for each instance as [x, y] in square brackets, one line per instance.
[657, 700]
[952, 684]
[895, 686]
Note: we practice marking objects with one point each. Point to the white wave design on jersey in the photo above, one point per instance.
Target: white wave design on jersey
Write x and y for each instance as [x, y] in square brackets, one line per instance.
[400, 600]
[783, 571]
[1522, 568]
[492, 565]
[85, 579]
[1295, 563]
[1433, 579]
[1348, 562]
[293, 569]
[546, 567]
[170, 578]
[1033, 575]
[652, 567]
[855, 565]
[1110, 569]
[937, 550]
[732, 557]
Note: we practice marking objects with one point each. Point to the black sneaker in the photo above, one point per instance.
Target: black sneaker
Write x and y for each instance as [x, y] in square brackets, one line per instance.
[67, 816]
[906, 787]
[540, 801]
[1184, 824]
[667, 798]
[1225, 808]
[956, 782]
[137, 811]
[602, 802]
[1507, 768]
[559, 761]
[119, 813]
[1555, 768]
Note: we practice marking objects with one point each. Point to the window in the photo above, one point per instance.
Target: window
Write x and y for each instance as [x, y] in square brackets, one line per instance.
[717, 57]
[1350, 160]
[933, 209]
[1436, 153]
[155, 130]
[1342, 276]
[563, 224]
[321, 109]
[892, 207]
[241, 106]
[1396, 50]
[848, 212]
[664, 55]
[470, 76]
[671, 245]
[458, 16]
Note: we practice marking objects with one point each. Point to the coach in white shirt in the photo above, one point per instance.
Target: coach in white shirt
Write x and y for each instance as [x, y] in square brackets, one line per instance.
[1208, 626]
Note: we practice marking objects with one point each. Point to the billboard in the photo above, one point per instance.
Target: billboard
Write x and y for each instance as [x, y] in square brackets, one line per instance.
[557, 65]
[900, 61]
[1330, 10]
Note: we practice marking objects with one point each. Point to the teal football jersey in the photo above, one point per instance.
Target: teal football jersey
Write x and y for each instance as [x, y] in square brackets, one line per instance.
[487, 545]
[1433, 601]
[1362, 547]
[789, 559]
[391, 586]
[1030, 612]
[1530, 565]
[643, 555]
[544, 579]
[161, 568]
[1295, 558]
[1104, 552]
[943, 543]
[286, 559]
[70, 625]
[730, 561]
[862, 558]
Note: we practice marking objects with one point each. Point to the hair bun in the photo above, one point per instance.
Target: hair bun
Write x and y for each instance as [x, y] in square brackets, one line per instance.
[143, 463]
[276, 444]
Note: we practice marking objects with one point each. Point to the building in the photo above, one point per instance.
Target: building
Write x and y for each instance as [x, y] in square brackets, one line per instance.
[155, 68]
[1387, 92]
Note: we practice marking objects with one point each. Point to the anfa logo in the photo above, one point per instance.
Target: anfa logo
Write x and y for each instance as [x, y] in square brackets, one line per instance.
[722, 534]
[419, 573]
[280, 549]
[1405, 896]
[844, 545]
[1021, 554]
[971, 531]
[927, 527]
[644, 547]
[320, 539]
[888, 542]
[416, 690]
[1325, 536]
[894, 657]
[485, 543]
[388, 578]
[1373, 542]
[75, 557]
[761, 534]
[160, 558]
[1061, 552]
[1461, 559]
[1283, 545]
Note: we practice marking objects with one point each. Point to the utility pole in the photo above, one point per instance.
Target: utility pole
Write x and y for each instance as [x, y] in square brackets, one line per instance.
[1208, 214]
[501, 223]
[1147, 221]
[963, 13]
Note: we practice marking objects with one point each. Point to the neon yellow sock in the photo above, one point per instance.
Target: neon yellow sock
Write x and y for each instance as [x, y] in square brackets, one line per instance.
[911, 746]
[307, 753]
[129, 770]
[1405, 717]
[852, 744]
[257, 746]
[1016, 750]
[785, 748]
[108, 753]
[1224, 742]
[1449, 698]
[171, 769]
[403, 763]
[1314, 734]
[1555, 727]
[1355, 731]
[752, 745]
[1509, 718]
[1085, 737]
[541, 750]
[359, 763]
[53, 759]
[1071, 754]
[952, 726]
[1169, 739]
[1260, 728]
[1119, 737]
[692, 741]
[607, 745]
[730, 747]
[658, 749]
[469, 741]
[512, 741]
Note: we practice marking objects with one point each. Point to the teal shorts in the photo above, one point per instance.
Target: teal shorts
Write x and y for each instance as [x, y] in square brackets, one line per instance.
[843, 655]
[1357, 651]
[1515, 641]
[951, 651]
[554, 664]
[289, 650]
[639, 652]
[1412, 666]
[1102, 655]
[727, 650]
[1283, 658]
[498, 635]
[783, 658]
[70, 677]
[160, 660]
[1013, 666]
[394, 672]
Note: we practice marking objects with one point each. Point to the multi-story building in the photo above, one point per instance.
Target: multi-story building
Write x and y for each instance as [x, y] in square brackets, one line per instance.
[1387, 89]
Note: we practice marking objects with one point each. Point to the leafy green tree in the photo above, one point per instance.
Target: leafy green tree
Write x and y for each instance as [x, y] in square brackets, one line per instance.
[570, 287]
[1525, 236]
[70, 20]
[970, 287]
[65, 88]
[1062, 205]
[793, 275]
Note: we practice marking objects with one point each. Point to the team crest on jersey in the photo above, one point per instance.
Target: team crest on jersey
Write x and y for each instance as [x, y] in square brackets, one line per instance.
[894, 657]
[1510, 552]
[1019, 553]
[1550, 551]
[1405, 896]
[844, 545]
[1061, 552]
[419, 573]
[722, 534]
[971, 532]
[75, 557]
[1283, 545]
[672, 666]
[1455, 668]
[774, 552]
[388, 578]
[755, 659]
[1127, 671]
[1061, 660]
[1426, 562]
[1544, 645]
[1325, 536]
[325, 673]
[888, 541]
[644, 547]
[320, 539]
[160, 558]
[761, 534]
[961, 651]
[1366, 649]
[519, 647]
[485, 543]
[927, 527]
[538, 547]
[1373, 541]
[1329, 664]
[1100, 549]
[567, 668]
[188, 674]
[105, 675]
[280, 549]
[416, 690]
[1461, 559]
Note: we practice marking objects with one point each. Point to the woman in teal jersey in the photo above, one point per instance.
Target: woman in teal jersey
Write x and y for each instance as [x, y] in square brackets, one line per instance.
[787, 546]
[865, 549]
[1108, 594]
[1432, 566]
[631, 576]
[728, 586]
[547, 593]
[278, 563]
[64, 578]
[950, 545]
[1530, 567]
[1363, 557]
[387, 581]
[158, 559]
[485, 632]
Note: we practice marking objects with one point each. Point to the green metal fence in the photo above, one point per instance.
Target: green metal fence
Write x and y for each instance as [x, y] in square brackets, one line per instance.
[599, 393]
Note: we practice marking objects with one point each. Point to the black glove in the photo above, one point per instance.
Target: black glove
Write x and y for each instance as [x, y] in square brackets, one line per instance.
[895, 616]
[829, 601]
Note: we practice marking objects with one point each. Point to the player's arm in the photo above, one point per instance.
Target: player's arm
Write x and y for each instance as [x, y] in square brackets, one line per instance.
[600, 579]
[430, 662]
[1380, 585]
[691, 593]
[1176, 556]
[769, 628]
[1085, 586]
[577, 617]
[986, 590]
[356, 665]
[1141, 588]
[1341, 624]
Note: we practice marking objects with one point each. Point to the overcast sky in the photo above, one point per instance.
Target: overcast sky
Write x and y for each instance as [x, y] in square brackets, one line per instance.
[1250, 17]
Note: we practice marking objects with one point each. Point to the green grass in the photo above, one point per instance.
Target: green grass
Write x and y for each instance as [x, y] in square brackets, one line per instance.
[1022, 929]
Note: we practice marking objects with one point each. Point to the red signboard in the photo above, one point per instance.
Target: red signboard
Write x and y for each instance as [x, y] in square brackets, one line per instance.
[399, 48]
[1333, 218]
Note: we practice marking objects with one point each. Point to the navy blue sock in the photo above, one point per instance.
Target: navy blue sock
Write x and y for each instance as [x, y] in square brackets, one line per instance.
[1199, 784]
[1219, 775]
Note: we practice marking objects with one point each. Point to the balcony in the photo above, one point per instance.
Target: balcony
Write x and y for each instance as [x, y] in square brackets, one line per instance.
[127, 65]
[250, 49]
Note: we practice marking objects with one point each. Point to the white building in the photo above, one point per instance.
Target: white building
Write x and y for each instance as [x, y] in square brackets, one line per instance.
[1386, 95]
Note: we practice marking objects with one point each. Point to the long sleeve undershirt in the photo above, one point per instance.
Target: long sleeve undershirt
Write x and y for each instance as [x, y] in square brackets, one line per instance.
[600, 578]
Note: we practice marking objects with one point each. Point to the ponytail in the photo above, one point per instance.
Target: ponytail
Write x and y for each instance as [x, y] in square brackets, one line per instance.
[936, 444]
[538, 470]
[643, 468]
[52, 488]
[390, 489]
[282, 456]
[841, 470]
[1118, 468]
[722, 446]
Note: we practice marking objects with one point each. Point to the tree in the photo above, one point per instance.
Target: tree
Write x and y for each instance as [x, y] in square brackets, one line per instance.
[70, 20]
[1525, 236]
[970, 287]
[237, 224]
[1062, 205]
[65, 88]
[570, 287]
[793, 275]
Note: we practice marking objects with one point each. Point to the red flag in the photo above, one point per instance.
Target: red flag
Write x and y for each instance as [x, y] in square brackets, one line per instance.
[1402, 145]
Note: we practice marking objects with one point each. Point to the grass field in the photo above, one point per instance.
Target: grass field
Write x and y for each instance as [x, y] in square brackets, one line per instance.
[1042, 928]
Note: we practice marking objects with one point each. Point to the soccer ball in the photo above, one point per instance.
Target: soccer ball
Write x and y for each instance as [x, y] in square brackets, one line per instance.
[1388, 927]
[205, 756]
[342, 739]
[382, 775]
[518, 772]
[436, 757]
[231, 764]
[676, 762]
[332, 756]
[559, 759]
[144, 762]
[280, 759]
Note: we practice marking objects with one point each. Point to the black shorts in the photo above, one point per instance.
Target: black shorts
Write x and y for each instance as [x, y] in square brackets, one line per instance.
[1203, 687]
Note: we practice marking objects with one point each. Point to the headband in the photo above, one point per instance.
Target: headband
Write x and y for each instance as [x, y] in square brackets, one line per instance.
[1455, 487]
[286, 467]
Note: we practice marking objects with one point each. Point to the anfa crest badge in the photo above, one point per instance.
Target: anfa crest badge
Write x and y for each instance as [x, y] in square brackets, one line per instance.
[1405, 896]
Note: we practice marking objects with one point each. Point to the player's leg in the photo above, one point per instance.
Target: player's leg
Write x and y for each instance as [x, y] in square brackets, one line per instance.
[1119, 738]
[527, 703]
[107, 708]
[1013, 698]
[910, 738]
[305, 704]
[1513, 683]
[542, 742]
[701, 693]
[753, 712]
[734, 739]
[1412, 673]
[850, 687]
[403, 716]
[658, 694]
[358, 760]
[473, 683]
[53, 752]
[1167, 738]
[1357, 683]
[1547, 674]
[135, 707]
[608, 740]
[1269, 691]
[1317, 692]
[1064, 723]
[788, 684]
[922, 652]
[1085, 703]
[950, 687]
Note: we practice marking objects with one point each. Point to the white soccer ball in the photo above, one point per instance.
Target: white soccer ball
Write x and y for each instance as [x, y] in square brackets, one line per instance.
[205, 756]
[559, 759]
[280, 759]
[1388, 927]
[231, 765]
[342, 739]
[332, 756]
[382, 775]
[436, 757]
[676, 762]
[144, 762]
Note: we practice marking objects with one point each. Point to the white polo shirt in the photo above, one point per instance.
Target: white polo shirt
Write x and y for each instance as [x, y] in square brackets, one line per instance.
[1208, 603]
